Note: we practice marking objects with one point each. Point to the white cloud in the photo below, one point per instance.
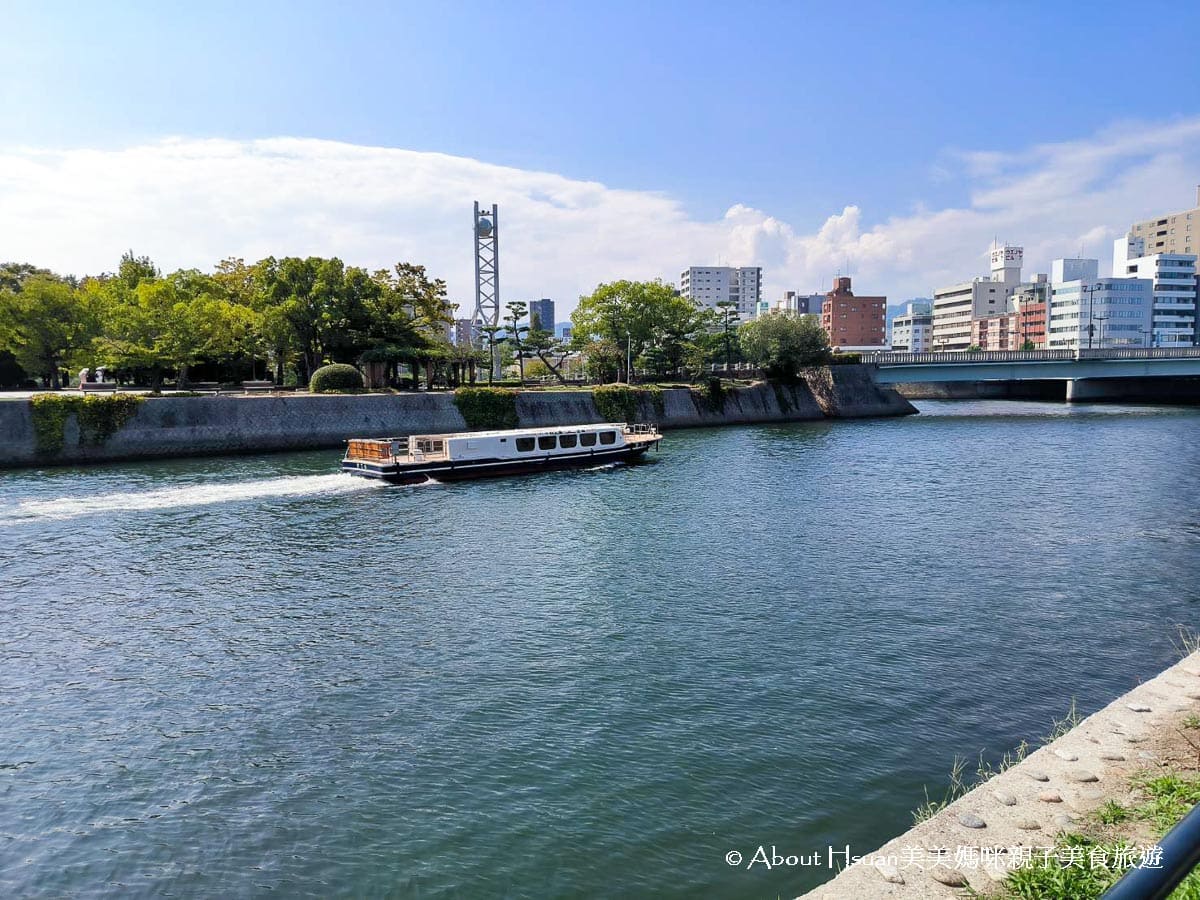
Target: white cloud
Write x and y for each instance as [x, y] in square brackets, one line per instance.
[192, 202]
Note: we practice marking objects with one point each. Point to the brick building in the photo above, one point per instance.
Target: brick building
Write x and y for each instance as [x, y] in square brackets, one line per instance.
[852, 322]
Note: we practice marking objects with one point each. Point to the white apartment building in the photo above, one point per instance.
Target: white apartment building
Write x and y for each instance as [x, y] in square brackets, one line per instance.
[1099, 313]
[1174, 279]
[955, 306]
[709, 285]
[912, 330]
[1063, 270]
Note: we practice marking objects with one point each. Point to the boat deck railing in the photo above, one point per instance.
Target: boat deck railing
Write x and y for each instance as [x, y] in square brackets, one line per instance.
[639, 428]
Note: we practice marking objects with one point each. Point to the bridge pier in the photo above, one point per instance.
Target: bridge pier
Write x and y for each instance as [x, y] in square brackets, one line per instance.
[1081, 390]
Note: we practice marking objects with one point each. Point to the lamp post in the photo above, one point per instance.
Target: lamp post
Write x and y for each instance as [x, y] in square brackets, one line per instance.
[1091, 289]
[1101, 320]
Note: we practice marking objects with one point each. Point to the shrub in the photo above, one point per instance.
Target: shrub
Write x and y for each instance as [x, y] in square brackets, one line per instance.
[845, 359]
[487, 409]
[99, 418]
[616, 402]
[50, 414]
[338, 378]
[712, 397]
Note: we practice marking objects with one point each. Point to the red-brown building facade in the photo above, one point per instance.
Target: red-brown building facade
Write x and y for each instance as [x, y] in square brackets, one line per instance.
[852, 321]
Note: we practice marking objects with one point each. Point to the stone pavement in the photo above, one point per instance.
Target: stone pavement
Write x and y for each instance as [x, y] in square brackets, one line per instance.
[1027, 805]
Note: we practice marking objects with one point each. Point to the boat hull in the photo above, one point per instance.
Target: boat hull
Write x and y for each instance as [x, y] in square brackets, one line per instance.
[443, 470]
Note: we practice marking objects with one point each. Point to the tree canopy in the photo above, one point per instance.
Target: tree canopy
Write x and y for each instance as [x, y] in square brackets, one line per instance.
[641, 320]
[783, 343]
[293, 313]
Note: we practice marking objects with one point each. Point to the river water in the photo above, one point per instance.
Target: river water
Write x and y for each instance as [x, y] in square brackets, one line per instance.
[254, 675]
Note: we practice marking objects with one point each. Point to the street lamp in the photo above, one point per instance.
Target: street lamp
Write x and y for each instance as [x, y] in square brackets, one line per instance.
[1091, 289]
[1101, 320]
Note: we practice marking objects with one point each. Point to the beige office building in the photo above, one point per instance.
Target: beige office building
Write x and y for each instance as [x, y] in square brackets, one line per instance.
[1172, 233]
[954, 307]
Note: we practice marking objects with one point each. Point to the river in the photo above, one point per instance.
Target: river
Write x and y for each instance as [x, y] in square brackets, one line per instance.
[252, 675]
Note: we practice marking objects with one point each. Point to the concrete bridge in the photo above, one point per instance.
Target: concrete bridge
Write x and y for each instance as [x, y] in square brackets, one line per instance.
[1088, 374]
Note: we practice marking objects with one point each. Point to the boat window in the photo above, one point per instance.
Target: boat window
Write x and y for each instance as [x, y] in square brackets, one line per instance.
[524, 445]
[546, 442]
[566, 441]
[608, 437]
[587, 440]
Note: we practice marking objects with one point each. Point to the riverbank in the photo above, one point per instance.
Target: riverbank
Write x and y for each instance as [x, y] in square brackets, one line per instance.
[1096, 785]
[212, 425]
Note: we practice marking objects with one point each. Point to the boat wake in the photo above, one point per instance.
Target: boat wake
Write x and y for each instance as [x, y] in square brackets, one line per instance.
[190, 495]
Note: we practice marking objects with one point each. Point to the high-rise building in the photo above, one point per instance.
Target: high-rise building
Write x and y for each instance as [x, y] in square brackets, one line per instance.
[1173, 233]
[955, 306]
[1101, 313]
[800, 304]
[1074, 270]
[708, 286]
[912, 329]
[1175, 284]
[854, 322]
[466, 332]
[541, 315]
[1031, 303]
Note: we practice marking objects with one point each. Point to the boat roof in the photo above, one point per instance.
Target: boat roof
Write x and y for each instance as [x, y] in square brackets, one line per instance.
[517, 432]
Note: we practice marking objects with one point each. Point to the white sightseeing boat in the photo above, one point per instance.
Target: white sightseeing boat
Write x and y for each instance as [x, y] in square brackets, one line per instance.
[477, 454]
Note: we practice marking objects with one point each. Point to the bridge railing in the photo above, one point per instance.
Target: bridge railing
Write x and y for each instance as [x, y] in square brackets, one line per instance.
[951, 357]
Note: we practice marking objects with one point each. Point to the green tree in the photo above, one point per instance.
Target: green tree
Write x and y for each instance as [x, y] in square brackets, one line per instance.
[783, 343]
[515, 331]
[43, 323]
[13, 275]
[161, 325]
[550, 351]
[634, 316]
[133, 270]
[491, 342]
[602, 361]
[727, 318]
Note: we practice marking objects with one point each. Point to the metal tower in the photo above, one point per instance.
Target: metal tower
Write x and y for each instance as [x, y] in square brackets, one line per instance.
[487, 272]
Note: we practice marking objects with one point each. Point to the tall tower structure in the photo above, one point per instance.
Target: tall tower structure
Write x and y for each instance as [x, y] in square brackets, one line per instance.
[487, 272]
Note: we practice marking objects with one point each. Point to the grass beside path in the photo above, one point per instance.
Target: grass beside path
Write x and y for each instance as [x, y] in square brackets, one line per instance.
[1087, 862]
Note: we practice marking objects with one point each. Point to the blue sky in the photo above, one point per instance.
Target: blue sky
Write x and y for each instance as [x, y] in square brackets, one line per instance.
[797, 110]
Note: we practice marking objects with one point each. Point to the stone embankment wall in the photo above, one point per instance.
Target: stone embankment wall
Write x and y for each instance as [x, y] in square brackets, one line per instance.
[1052, 790]
[166, 426]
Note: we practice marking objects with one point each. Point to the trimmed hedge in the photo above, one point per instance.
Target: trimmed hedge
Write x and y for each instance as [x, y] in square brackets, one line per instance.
[338, 378]
[99, 418]
[487, 409]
